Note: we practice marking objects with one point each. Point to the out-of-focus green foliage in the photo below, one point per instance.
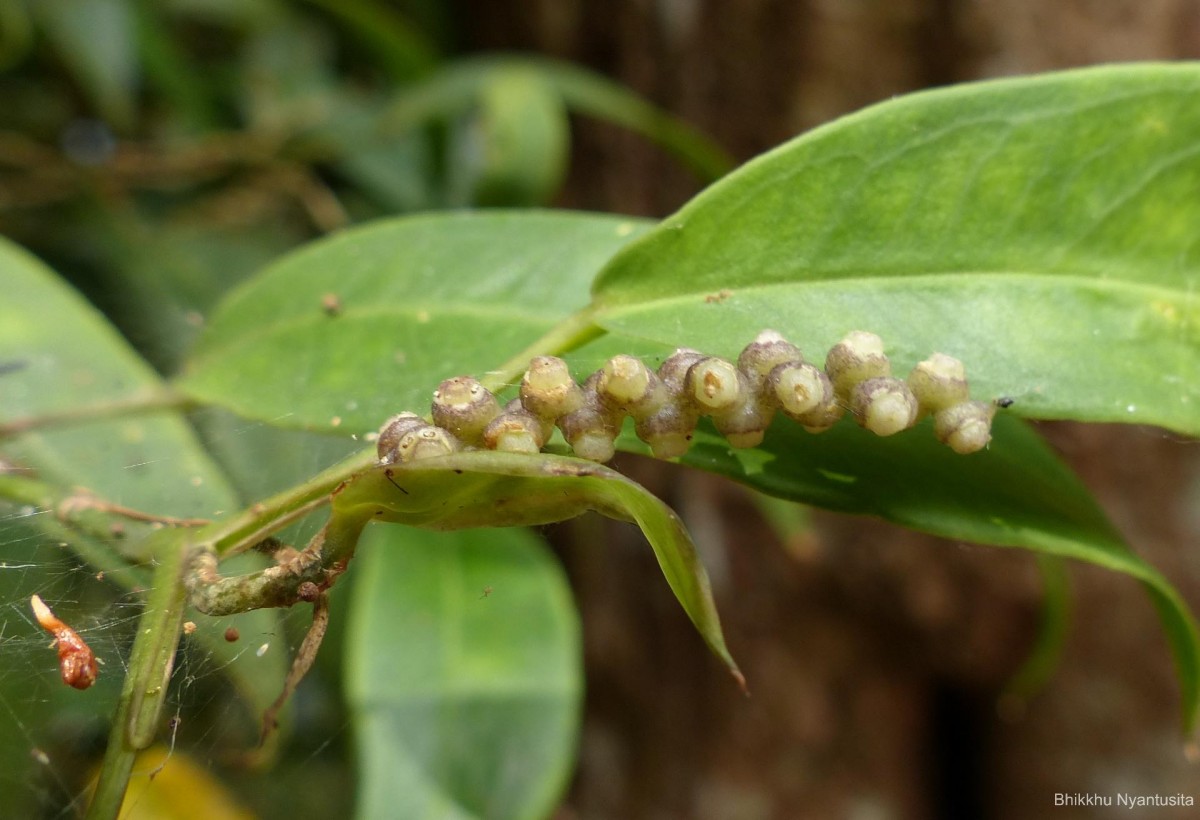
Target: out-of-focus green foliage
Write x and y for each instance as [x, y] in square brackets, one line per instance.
[158, 151]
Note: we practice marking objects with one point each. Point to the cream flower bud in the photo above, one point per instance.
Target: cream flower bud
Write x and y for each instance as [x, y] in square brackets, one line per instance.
[590, 431]
[965, 427]
[545, 426]
[768, 350]
[426, 441]
[673, 371]
[548, 391]
[939, 382]
[669, 430]
[799, 388]
[823, 417]
[464, 407]
[515, 431]
[856, 358]
[884, 405]
[745, 424]
[390, 433]
[627, 386]
[714, 384]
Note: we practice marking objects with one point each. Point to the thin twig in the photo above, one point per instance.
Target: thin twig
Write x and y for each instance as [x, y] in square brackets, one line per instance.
[300, 665]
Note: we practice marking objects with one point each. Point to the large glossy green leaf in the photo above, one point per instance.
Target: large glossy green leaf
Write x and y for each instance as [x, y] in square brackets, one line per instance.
[1016, 493]
[1041, 229]
[484, 488]
[420, 299]
[463, 674]
[59, 354]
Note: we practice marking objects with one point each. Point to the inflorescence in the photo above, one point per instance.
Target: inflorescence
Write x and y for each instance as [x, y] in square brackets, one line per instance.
[741, 398]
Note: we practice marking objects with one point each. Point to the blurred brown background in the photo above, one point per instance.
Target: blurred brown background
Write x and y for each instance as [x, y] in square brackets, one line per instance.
[875, 656]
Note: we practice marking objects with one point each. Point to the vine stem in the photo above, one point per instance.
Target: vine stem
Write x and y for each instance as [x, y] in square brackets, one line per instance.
[140, 706]
[163, 398]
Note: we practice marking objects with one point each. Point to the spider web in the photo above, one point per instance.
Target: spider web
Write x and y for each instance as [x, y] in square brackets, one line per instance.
[52, 737]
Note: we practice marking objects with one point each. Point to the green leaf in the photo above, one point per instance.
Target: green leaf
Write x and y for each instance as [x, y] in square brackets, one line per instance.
[59, 354]
[1017, 493]
[1041, 229]
[496, 489]
[511, 151]
[419, 299]
[400, 48]
[97, 39]
[1044, 655]
[463, 674]
[453, 89]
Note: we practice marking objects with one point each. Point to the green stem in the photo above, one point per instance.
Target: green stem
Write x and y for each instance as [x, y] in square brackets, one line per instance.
[572, 332]
[140, 706]
[260, 520]
[319, 565]
[160, 399]
[88, 532]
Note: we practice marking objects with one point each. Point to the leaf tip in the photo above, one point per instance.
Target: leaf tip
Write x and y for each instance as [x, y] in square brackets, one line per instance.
[740, 679]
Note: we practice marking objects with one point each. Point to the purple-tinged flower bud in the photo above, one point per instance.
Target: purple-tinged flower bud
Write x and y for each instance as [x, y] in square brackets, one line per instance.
[714, 384]
[548, 391]
[627, 387]
[884, 405]
[856, 358]
[390, 433]
[768, 351]
[965, 427]
[799, 388]
[427, 441]
[515, 431]
[464, 407]
[939, 382]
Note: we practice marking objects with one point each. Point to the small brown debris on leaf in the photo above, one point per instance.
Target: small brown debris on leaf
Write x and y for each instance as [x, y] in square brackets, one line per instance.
[719, 296]
[331, 304]
[76, 661]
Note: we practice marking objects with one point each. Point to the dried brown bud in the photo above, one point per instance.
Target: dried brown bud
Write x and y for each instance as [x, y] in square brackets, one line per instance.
[965, 427]
[548, 391]
[939, 382]
[464, 407]
[884, 405]
[856, 358]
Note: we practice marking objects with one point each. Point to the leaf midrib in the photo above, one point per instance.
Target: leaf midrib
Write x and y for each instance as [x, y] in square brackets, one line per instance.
[419, 315]
[907, 280]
